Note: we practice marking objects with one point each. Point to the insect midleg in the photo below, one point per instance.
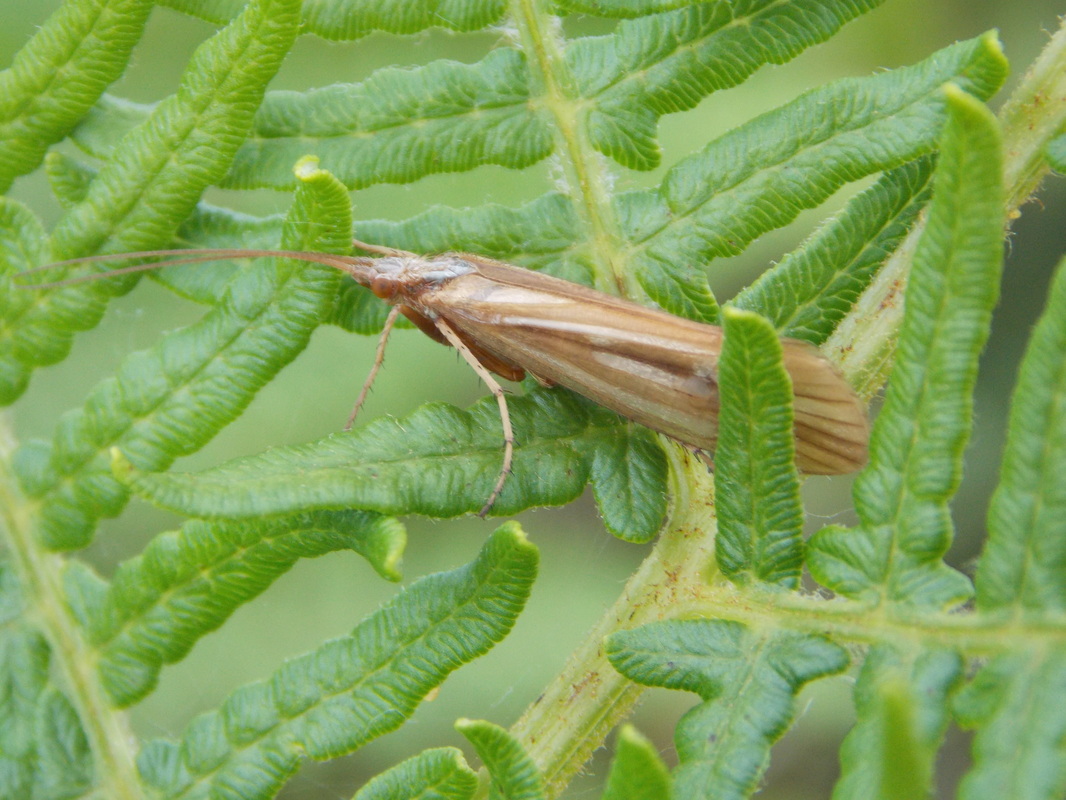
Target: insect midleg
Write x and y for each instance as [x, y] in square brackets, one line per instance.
[501, 401]
[379, 358]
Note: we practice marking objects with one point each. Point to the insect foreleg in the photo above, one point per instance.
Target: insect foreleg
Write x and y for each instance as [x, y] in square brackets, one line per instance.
[501, 401]
[379, 358]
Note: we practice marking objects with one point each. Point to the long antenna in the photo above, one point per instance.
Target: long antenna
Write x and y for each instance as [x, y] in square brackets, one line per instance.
[356, 266]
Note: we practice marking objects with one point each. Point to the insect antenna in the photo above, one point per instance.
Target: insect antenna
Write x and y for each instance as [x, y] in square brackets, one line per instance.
[349, 264]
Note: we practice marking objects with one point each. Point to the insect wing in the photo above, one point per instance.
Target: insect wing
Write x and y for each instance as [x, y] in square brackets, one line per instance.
[650, 366]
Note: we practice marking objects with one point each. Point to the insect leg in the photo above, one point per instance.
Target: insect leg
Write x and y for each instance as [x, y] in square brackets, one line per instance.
[501, 401]
[379, 358]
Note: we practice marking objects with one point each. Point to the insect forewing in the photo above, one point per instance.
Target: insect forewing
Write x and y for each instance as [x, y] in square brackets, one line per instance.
[650, 366]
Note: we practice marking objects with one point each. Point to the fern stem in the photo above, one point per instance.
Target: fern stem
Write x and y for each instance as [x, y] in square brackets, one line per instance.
[855, 622]
[864, 343]
[573, 716]
[40, 575]
[1033, 114]
[586, 169]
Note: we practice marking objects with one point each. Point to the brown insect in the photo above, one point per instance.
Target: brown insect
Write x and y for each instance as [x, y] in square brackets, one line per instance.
[653, 367]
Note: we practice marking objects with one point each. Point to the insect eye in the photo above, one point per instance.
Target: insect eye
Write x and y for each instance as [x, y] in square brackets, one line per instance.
[384, 286]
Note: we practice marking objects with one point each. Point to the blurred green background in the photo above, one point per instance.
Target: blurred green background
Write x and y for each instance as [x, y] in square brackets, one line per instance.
[583, 567]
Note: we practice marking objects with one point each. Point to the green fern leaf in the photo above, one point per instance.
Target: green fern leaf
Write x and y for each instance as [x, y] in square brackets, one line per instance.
[438, 461]
[1023, 568]
[218, 12]
[186, 143]
[163, 166]
[629, 481]
[43, 751]
[440, 773]
[1056, 153]
[760, 517]
[760, 175]
[86, 592]
[623, 9]
[739, 674]
[24, 659]
[339, 20]
[539, 234]
[513, 773]
[448, 116]
[188, 582]
[68, 178]
[811, 290]
[637, 771]
[58, 76]
[1010, 702]
[353, 689]
[668, 62]
[65, 767]
[400, 125]
[216, 366]
[902, 705]
[107, 124]
[1015, 704]
[21, 237]
[917, 443]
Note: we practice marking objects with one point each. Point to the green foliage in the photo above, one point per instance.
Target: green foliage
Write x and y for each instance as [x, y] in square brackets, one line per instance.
[513, 774]
[439, 461]
[432, 773]
[138, 200]
[901, 703]
[1025, 556]
[1020, 577]
[637, 772]
[813, 288]
[917, 443]
[717, 607]
[189, 581]
[1056, 152]
[58, 77]
[1013, 704]
[350, 690]
[171, 399]
[740, 674]
[760, 518]
[42, 744]
[715, 203]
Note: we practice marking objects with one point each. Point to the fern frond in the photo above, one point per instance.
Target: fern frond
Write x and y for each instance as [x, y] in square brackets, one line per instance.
[760, 517]
[637, 771]
[439, 461]
[918, 439]
[160, 171]
[188, 582]
[55, 79]
[351, 690]
[168, 401]
[513, 773]
[574, 92]
[441, 772]
[738, 673]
